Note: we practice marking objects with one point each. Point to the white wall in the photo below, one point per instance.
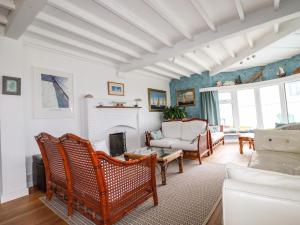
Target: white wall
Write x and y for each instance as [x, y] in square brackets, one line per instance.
[13, 173]
[89, 78]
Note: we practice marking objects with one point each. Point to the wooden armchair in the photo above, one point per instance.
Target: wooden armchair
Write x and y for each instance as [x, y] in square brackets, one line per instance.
[104, 189]
[53, 158]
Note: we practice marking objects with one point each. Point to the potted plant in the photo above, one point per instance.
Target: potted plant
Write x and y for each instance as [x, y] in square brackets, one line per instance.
[174, 112]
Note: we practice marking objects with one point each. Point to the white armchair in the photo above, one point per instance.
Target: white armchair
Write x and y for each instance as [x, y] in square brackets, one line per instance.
[253, 196]
[268, 191]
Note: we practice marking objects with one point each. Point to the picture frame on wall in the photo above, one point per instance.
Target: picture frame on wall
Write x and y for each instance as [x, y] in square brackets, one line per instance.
[53, 95]
[157, 100]
[115, 88]
[11, 85]
[185, 97]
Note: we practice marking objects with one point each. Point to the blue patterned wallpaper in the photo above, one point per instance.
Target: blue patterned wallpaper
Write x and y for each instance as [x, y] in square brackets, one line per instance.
[203, 80]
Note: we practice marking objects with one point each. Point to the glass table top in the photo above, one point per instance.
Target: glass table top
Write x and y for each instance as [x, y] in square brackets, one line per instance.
[160, 152]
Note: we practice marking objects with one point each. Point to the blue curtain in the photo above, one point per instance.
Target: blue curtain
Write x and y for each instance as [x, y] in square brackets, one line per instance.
[209, 107]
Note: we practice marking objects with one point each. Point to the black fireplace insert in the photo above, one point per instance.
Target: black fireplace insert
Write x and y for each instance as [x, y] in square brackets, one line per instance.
[117, 143]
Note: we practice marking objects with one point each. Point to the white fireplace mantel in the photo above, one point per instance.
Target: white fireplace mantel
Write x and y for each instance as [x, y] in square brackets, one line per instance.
[107, 120]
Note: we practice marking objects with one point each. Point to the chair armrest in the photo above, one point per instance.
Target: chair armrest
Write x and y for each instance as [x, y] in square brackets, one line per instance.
[148, 138]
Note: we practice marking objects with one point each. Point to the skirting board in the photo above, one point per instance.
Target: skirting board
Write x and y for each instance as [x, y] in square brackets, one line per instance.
[5, 197]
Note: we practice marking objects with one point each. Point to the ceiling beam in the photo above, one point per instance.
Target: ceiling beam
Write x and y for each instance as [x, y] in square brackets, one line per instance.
[240, 10]
[136, 20]
[212, 57]
[285, 29]
[152, 74]
[77, 30]
[3, 19]
[43, 43]
[193, 57]
[188, 64]
[249, 41]
[8, 4]
[63, 39]
[174, 68]
[162, 72]
[266, 16]
[92, 19]
[23, 16]
[228, 50]
[204, 15]
[163, 10]
[276, 4]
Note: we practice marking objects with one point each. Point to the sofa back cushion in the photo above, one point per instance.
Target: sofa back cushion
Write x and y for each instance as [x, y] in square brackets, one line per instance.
[192, 129]
[262, 177]
[278, 140]
[171, 129]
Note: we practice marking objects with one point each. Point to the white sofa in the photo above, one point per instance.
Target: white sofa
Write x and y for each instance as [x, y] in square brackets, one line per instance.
[190, 135]
[216, 134]
[268, 191]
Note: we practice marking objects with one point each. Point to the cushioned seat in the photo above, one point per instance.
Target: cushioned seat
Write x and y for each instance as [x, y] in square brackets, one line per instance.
[186, 145]
[164, 143]
[216, 136]
[282, 162]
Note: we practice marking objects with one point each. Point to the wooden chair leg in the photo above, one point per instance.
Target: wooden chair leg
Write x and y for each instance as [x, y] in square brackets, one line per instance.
[155, 198]
[199, 158]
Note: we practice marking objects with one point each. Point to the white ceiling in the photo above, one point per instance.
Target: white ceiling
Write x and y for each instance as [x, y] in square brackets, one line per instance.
[170, 38]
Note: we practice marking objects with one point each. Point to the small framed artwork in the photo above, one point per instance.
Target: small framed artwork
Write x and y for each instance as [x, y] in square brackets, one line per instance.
[185, 97]
[157, 100]
[53, 94]
[11, 85]
[115, 88]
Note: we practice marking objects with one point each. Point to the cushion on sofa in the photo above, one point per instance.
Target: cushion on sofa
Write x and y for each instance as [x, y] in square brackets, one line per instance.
[156, 135]
[282, 162]
[278, 140]
[263, 177]
[192, 129]
[216, 136]
[185, 145]
[163, 143]
[171, 129]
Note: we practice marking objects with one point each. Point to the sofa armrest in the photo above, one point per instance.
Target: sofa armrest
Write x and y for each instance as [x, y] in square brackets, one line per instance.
[204, 141]
[247, 204]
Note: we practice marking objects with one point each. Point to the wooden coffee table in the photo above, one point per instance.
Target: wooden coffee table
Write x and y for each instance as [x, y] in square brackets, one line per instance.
[164, 157]
[246, 137]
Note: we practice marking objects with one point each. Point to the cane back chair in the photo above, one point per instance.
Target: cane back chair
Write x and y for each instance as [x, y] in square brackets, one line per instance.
[55, 167]
[104, 189]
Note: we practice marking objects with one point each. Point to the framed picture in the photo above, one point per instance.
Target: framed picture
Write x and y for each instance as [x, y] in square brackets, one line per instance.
[185, 97]
[53, 94]
[157, 100]
[11, 85]
[115, 88]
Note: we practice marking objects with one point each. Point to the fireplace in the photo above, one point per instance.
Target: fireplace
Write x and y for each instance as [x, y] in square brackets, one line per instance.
[117, 143]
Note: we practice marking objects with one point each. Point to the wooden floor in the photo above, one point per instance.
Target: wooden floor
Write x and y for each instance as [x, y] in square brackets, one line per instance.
[30, 210]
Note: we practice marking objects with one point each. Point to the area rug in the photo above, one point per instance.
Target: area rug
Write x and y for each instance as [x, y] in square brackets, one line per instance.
[188, 198]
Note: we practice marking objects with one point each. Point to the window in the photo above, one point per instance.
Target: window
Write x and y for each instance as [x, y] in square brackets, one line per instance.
[247, 109]
[270, 106]
[226, 109]
[292, 90]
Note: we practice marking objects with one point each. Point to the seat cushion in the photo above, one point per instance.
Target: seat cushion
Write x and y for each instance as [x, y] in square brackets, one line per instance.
[185, 145]
[172, 129]
[282, 162]
[192, 129]
[164, 143]
[216, 136]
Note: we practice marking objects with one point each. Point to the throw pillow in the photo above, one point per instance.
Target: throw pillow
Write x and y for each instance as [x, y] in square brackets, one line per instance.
[156, 135]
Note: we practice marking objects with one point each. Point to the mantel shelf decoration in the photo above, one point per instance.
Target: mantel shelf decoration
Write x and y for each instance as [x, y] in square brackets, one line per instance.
[116, 107]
